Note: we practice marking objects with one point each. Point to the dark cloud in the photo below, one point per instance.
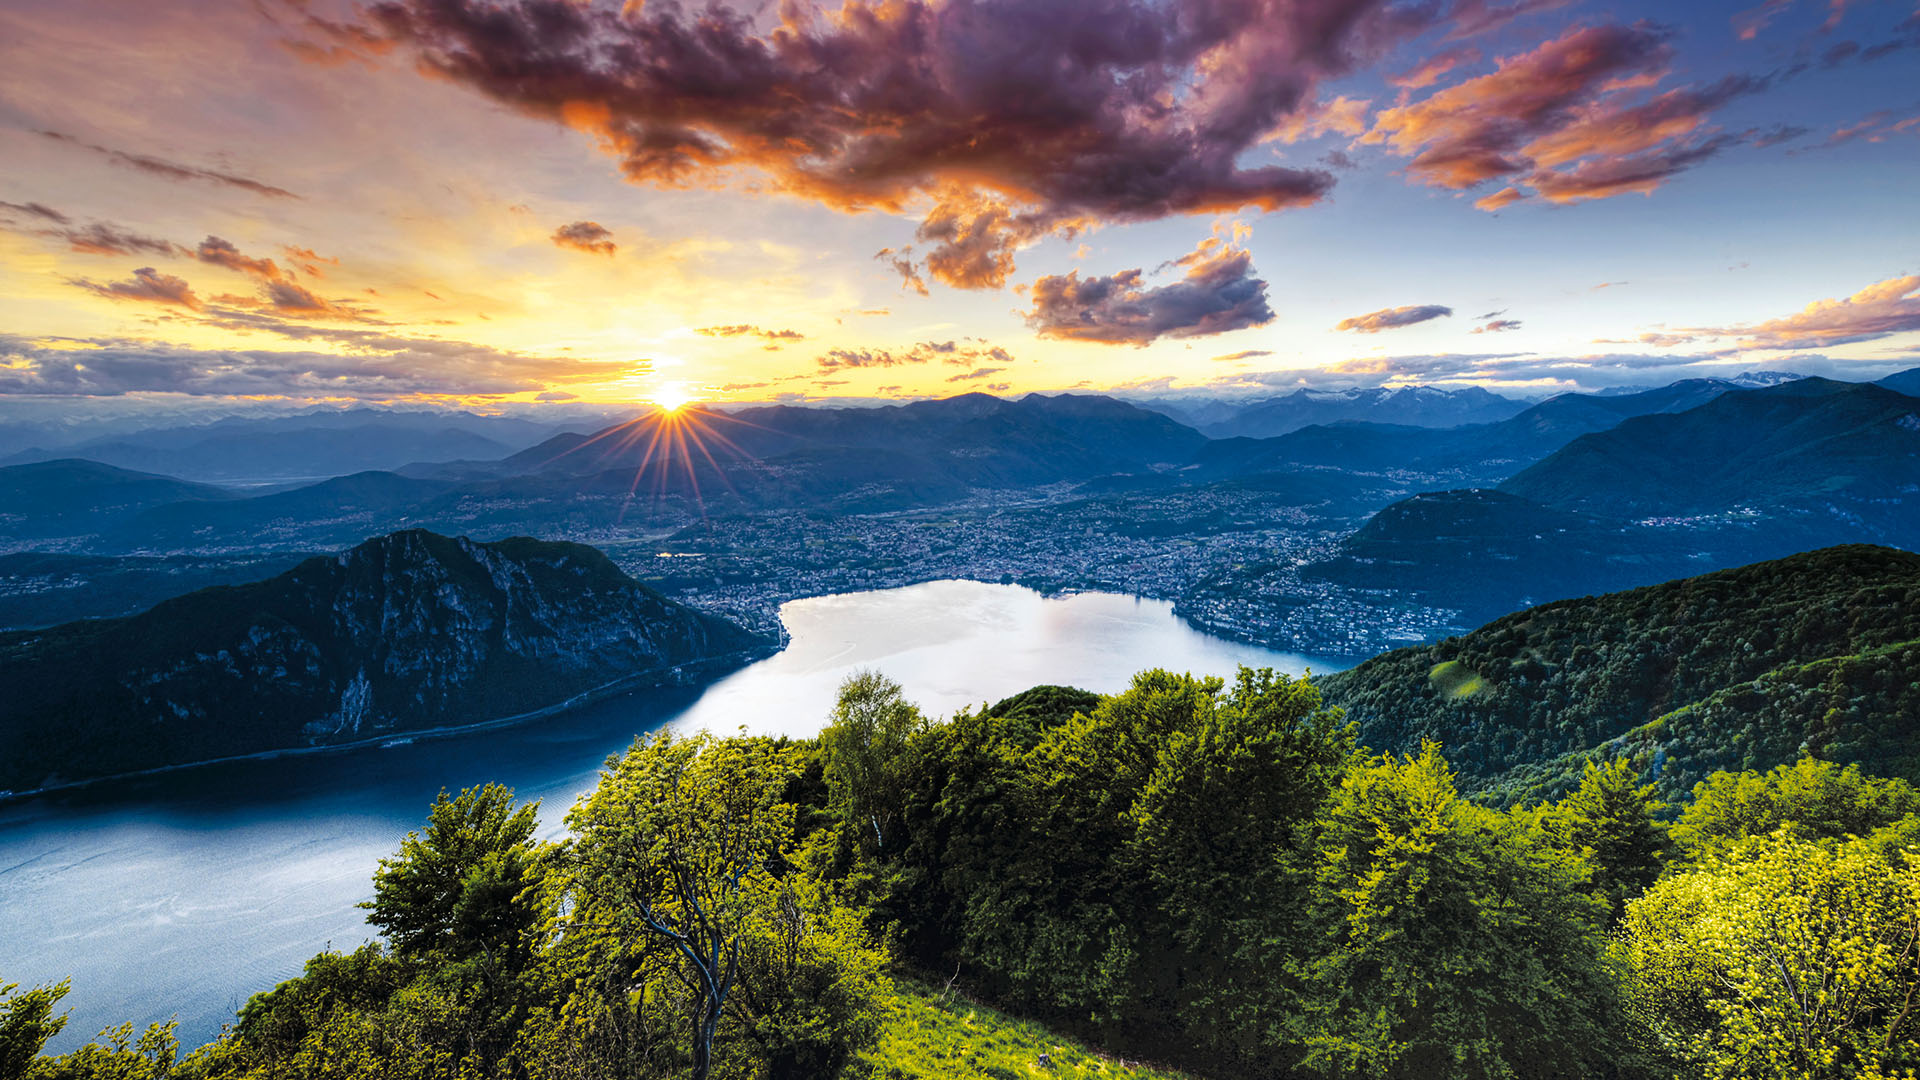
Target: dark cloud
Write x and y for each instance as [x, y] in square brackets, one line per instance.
[1243, 354]
[1218, 293]
[34, 209]
[218, 252]
[171, 170]
[1393, 318]
[379, 368]
[1011, 119]
[1496, 326]
[1490, 315]
[101, 238]
[146, 284]
[588, 236]
[96, 238]
[1564, 119]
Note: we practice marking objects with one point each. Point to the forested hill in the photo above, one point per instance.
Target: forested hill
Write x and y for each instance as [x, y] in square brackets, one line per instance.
[405, 632]
[1737, 669]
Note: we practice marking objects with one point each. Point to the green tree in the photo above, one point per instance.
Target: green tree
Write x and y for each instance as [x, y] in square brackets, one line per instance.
[1613, 821]
[468, 883]
[1782, 958]
[27, 1022]
[864, 746]
[1454, 945]
[678, 877]
[1814, 798]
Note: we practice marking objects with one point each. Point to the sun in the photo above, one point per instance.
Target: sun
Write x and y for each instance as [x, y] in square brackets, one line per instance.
[671, 397]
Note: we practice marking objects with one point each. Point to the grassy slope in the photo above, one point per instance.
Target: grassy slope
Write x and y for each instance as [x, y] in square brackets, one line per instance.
[932, 1036]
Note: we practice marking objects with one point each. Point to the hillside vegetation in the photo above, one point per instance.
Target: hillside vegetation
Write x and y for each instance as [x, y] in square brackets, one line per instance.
[1741, 668]
[402, 633]
[1192, 871]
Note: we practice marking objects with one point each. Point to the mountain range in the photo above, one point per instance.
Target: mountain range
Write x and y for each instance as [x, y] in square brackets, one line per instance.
[303, 447]
[405, 632]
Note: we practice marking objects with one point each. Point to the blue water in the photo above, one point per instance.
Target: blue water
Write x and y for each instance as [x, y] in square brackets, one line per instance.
[182, 894]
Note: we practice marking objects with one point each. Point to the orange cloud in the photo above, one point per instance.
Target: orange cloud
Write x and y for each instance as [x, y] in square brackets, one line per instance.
[218, 252]
[1879, 310]
[588, 236]
[1561, 119]
[1393, 318]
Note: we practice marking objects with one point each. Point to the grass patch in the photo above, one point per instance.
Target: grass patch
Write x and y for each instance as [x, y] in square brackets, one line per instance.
[1455, 681]
[931, 1036]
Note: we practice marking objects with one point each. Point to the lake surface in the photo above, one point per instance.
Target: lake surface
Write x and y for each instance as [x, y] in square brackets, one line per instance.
[183, 894]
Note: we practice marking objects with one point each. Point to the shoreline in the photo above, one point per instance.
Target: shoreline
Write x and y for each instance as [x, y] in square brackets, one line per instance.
[680, 675]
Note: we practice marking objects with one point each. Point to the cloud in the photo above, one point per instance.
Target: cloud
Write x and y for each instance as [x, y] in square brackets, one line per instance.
[588, 236]
[96, 238]
[1218, 294]
[1393, 318]
[171, 170]
[1008, 120]
[307, 262]
[1777, 134]
[976, 373]
[218, 252]
[1429, 70]
[34, 209]
[1879, 310]
[748, 330]
[383, 368]
[1243, 354]
[101, 238]
[1562, 120]
[1341, 116]
[958, 353]
[1497, 326]
[902, 263]
[147, 285]
[1875, 127]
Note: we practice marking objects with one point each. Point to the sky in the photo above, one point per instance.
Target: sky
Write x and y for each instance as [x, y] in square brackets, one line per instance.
[503, 203]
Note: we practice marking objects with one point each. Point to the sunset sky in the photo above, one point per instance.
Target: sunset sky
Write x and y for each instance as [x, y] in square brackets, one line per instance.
[482, 201]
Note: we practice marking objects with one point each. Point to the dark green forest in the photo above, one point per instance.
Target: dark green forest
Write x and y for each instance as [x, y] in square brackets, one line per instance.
[1739, 669]
[1213, 876]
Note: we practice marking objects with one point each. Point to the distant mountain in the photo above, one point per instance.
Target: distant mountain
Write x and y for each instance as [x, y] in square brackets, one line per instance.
[44, 589]
[1906, 382]
[76, 498]
[1485, 553]
[1848, 453]
[972, 440]
[1741, 669]
[305, 447]
[1411, 406]
[1475, 454]
[329, 513]
[406, 632]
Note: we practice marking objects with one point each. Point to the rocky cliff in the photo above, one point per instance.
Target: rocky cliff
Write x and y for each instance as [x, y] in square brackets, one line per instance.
[405, 632]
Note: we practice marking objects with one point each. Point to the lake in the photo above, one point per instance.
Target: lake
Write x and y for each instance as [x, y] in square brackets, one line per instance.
[183, 894]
